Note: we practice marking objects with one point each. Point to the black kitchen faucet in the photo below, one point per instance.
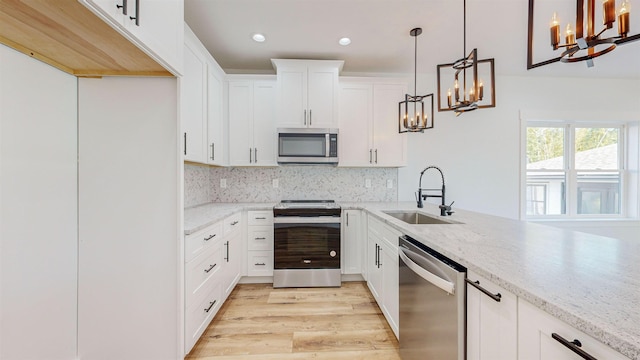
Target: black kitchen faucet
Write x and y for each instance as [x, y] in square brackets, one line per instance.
[444, 209]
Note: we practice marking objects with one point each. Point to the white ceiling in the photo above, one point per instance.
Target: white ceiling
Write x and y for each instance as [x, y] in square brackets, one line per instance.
[379, 30]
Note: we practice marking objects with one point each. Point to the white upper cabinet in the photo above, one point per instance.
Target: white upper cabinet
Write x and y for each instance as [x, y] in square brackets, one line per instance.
[307, 92]
[215, 119]
[252, 131]
[369, 123]
[154, 26]
[201, 104]
[193, 105]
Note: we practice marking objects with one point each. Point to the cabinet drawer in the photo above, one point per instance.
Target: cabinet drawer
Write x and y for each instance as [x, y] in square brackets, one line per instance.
[260, 237]
[199, 315]
[232, 223]
[260, 217]
[537, 332]
[200, 272]
[260, 263]
[195, 243]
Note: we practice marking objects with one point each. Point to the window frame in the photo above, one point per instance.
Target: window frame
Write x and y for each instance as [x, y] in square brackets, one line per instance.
[571, 172]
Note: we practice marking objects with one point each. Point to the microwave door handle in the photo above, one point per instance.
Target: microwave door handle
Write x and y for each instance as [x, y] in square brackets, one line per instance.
[327, 144]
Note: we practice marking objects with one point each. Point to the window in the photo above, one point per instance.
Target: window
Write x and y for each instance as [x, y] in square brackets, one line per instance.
[574, 170]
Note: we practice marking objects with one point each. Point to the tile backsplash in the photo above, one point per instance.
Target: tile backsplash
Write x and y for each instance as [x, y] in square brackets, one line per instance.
[202, 184]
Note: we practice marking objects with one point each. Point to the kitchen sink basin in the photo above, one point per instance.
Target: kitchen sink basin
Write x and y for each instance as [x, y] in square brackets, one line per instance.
[416, 218]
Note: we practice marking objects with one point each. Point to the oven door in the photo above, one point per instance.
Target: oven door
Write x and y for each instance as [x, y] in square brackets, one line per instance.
[306, 243]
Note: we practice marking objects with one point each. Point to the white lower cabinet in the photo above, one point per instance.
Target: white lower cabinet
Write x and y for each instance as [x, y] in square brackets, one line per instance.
[352, 242]
[492, 324]
[213, 260]
[541, 337]
[260, 243]
[382, 269]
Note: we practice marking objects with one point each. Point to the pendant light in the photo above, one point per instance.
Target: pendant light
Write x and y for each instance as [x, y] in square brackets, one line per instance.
[412, 116]
[472, 80]
[585, 47]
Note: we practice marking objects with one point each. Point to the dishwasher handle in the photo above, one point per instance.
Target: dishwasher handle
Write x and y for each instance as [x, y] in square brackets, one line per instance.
[443, 284]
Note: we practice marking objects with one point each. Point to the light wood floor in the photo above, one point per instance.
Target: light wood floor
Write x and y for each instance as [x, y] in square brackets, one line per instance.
[259, 322]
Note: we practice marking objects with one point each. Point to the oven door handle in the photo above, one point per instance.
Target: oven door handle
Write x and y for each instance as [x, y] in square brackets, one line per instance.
[443, 284]
[306, 220]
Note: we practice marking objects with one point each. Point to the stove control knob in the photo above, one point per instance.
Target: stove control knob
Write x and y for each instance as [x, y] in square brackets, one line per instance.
[332, 253]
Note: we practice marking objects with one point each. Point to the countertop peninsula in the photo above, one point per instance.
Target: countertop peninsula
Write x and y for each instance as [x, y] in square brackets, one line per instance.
[590, 282]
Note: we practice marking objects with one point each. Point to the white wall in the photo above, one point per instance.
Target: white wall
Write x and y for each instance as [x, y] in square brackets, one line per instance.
[38, 209]
[479, 152]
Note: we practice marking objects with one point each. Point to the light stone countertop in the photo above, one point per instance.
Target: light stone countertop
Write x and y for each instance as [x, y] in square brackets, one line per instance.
[588, 281]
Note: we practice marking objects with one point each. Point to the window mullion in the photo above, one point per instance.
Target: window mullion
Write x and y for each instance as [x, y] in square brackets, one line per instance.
[570, 174]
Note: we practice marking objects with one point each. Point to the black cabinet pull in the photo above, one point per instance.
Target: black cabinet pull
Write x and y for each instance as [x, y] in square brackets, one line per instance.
[213, 151]
[574, 346]
[250, 156]
[379, 259]
[260, 264]
[476, 284]
[123, 7]
[347, 219]
[210, 306]
[261, 218]
[210, 268]
[185, 143]
[137, 17]
[210, 237]
[255, 155]
[234, 223]
[260, 238]
[227, 245]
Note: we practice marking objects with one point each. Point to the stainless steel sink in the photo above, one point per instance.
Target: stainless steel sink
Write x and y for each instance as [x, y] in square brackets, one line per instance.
[416, 218]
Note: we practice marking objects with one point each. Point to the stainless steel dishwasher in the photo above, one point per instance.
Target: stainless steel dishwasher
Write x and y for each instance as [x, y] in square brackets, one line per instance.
[432, 304]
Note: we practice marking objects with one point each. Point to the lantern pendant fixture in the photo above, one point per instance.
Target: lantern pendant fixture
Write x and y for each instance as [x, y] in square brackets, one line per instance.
[585, 47]
[468, 86]
[412, 116]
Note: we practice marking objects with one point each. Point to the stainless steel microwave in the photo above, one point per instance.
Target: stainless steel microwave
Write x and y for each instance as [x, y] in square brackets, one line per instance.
[307, 146]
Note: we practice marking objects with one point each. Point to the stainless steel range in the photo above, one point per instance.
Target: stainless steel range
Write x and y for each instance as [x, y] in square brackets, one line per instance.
[306, 244]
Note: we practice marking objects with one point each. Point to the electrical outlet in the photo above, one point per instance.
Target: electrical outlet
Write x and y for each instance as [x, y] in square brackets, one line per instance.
[223, 183]
[275, 183]
[367, 183]
[389, 184]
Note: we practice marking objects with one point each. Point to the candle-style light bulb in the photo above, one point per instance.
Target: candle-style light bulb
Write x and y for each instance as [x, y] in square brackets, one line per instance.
[555, 31]
[456, 88]
[480, 90]
[623, 18]
[608, 13]
[472, 92]
[449, 98]
[570, 37]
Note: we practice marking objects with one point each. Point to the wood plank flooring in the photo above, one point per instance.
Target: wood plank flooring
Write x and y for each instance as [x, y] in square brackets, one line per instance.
[259, 322]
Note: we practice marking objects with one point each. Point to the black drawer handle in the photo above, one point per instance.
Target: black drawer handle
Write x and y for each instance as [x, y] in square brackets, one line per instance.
[234, 223]
[210, 237]
[210, 306]
[476, 284]
[261, 218]
[574, 346]
[259, 264]
[123, 7]
[210, 268]
[260, 238]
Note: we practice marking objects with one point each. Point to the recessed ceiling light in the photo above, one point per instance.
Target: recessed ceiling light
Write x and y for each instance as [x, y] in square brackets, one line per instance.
[344, 41]
[259, 38]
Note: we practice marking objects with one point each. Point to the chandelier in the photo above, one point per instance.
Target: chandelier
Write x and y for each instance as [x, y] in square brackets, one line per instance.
[411, 115]
[579, 47]
[466, 76]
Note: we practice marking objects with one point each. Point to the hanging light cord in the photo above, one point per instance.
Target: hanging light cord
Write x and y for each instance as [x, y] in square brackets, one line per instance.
[464, 28]
[415, 66]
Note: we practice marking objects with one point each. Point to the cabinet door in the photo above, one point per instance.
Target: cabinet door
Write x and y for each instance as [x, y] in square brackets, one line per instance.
[390, 285]
[356, 105]
[374, 272]
[215, 100]
[264, 129]
[389, 146]
[232, 261]
[159, 28]
[192, 104]
[240, 121]
[292, 96]
[536, 341]
[492, 326]
[322, 103]
[352, 242]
